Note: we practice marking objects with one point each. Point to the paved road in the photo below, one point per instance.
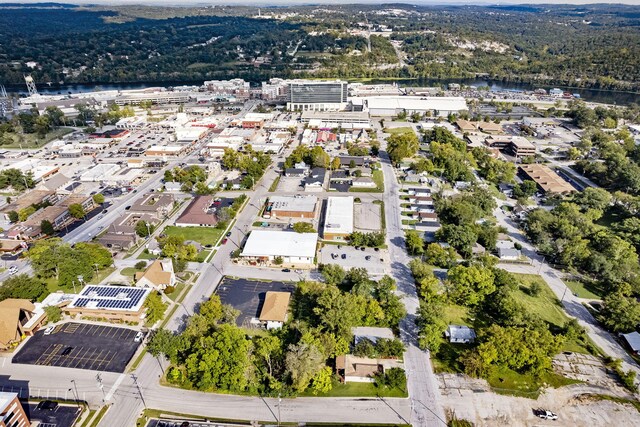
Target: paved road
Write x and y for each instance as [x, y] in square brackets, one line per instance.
[571, 303]
[424, 393]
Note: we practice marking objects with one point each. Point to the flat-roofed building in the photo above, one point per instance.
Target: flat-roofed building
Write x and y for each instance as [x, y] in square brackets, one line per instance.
[338, 220]
[165, 150]
[275, 309]
[340, 117]
[392, 105]
[291, 207]
[292, 247]
[547, 180]
[155, 204]
[33, 197]
[110, 302]
[317, 95]
[522, 147]
[12, 413]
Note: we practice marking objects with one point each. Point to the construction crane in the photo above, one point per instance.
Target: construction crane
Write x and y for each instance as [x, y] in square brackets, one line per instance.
[31, 85]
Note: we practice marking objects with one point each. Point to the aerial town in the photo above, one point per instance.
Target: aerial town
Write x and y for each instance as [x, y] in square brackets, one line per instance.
[318, 252]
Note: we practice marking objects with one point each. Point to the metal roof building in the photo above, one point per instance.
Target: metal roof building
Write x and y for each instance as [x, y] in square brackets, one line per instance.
[292, 247]
[338, 221]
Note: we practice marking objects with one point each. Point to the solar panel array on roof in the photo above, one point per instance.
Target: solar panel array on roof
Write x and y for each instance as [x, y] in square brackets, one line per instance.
[110, 297]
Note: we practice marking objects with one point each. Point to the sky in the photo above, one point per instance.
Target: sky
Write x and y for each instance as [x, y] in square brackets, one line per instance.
[298, 2]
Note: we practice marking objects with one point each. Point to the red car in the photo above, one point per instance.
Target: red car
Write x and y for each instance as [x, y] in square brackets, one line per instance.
[224, 240]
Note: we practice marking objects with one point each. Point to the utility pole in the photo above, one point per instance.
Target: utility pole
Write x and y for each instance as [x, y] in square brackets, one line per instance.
[135, 380]
[279, 402]
[75, 392]
[101, 387]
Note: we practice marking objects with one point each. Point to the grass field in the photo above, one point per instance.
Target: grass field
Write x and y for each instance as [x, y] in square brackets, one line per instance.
[359, 390]
[393, 131]
[129, 271]
[546, 306]
[584, 290]
[31, 140]
[506, 381]
[202, 235]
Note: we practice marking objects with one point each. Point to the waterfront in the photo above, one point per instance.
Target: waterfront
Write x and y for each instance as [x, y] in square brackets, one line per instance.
[592, 95]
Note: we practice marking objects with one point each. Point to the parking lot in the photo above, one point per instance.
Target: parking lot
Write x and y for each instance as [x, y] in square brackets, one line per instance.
[248, 295]
[367, 216]
[81, 346]
[61, 416]
[356, 258]
[290, 184]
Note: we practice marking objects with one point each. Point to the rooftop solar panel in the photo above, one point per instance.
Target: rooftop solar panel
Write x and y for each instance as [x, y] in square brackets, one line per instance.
[110, 297]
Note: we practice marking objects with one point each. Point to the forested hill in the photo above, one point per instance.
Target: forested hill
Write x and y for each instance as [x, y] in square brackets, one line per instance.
[589, 46]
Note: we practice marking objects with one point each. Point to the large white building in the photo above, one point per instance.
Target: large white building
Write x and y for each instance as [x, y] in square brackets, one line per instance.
[292, 247]
[392, 105]
[338, 220]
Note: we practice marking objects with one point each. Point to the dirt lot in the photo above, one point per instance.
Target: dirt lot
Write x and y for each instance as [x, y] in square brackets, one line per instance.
[470, 399]
[367, 217]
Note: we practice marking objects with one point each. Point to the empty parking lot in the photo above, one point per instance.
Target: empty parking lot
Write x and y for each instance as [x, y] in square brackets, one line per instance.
[81, 346]
[248, 295]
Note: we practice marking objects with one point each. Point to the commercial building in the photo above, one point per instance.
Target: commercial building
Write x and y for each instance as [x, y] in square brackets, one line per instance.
[154, 204]
[291, 207]
[338, 221]
[123, 303]
[275, 309]
[33, 197]
[11, 411]
[323, 118]
[392, 105]
[314, 182]
[547, 180]
[292, 247]
[522, 147]
[201, 212]
[317, 95]
[166, 150]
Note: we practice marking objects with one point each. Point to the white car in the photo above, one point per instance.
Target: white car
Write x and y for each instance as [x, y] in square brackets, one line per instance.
[138, 337]
[49, 330]
[13, 270]
[546, 414]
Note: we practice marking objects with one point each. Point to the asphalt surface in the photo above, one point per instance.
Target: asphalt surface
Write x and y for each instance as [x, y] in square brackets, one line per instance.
[80, 346]
[248, 296]
[62, 416]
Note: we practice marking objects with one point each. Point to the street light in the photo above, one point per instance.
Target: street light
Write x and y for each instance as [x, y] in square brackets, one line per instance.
[75, 392]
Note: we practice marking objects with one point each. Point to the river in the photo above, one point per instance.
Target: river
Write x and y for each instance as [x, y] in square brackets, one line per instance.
[593, 95]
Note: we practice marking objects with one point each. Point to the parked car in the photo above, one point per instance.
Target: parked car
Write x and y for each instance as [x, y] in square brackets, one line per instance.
[225, 240]
[344, 256]
[229, 234]
[139, 337]
[49, 330]
[13, 270]
[545, 414]
[368, 257]
[47, 405]
[286, 270]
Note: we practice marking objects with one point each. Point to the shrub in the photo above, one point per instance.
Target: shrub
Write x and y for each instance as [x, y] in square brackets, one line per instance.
[140, 265]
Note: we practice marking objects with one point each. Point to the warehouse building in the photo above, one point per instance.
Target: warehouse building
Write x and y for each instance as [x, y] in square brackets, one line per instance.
[392, 105]
[294, 248]
[338, 220]
[291, 207]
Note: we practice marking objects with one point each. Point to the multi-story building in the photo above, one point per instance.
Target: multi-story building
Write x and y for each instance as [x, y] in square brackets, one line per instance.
[320, 95]
[11, 412]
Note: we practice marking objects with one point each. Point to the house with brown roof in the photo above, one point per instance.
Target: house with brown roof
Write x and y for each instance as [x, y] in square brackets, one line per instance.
[200, 212]
[155, 204]
[546, 178]
[466, 125]
[490, 127]
[275, 309]
[363, 369]
[14, 314]
[158, 275]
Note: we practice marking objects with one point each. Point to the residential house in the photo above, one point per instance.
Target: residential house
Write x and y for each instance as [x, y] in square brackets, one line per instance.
[158, 275]
[363, 369]
[458, 334]
[315, 181]
[201, 212]
[275, 309]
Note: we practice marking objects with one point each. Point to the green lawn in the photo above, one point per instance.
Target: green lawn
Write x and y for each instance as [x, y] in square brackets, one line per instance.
[403, 129]
[146, 255]
[359, 390]
[31, 140]
[585, 290]
[457, 315]
[506, 381]
[378, 178]
[178, 290]
[546, 306]
[202, 235]
[202, 255]
[274, 184]
[129, 271]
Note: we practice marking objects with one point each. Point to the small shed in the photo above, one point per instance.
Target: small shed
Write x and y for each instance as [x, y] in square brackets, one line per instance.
[633, 341]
